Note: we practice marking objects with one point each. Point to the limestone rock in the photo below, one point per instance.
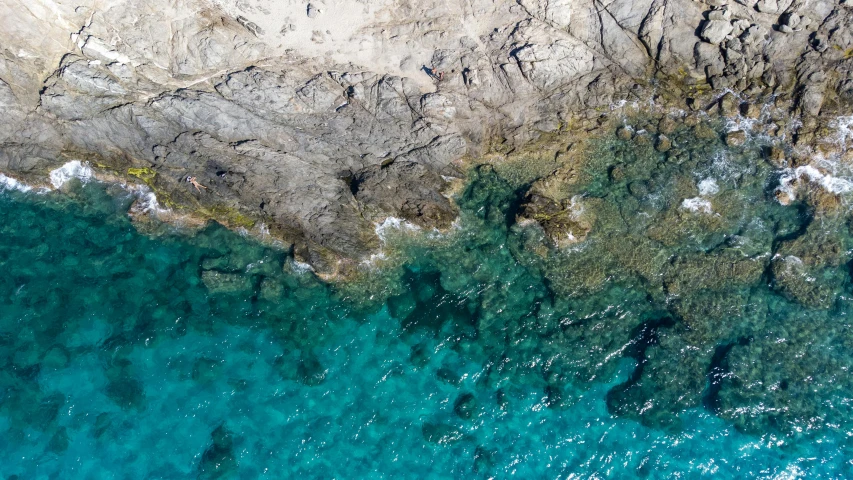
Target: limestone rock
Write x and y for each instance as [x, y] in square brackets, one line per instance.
[791, 19]
[715, 31]
[317, 140]
[767, 6]
[736, 138]
[775, 156]
[729, 105]
[407, 189]
[722, 15]
[563, 222]
[750, 110]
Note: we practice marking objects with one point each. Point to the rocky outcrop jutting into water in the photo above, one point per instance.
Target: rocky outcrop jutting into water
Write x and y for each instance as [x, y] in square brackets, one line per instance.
[318, 119]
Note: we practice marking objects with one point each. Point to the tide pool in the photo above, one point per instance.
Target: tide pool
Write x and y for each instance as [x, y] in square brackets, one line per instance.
[670, 342]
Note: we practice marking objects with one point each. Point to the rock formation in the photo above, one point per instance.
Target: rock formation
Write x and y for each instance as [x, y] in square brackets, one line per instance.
[319, 119]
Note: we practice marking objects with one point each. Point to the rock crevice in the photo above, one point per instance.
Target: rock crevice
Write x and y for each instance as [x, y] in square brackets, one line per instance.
[274, 110]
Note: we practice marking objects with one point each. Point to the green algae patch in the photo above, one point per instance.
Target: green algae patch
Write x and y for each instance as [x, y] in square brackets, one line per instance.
[147, 175]
[229, 216]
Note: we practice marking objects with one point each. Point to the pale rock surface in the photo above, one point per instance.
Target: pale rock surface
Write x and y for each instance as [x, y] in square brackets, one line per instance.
[321, 118]
[715, 31]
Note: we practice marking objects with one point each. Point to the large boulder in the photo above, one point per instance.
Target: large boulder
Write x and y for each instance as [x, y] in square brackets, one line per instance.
[715, 31]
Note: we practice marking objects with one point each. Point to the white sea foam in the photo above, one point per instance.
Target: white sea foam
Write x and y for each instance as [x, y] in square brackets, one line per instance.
[393, 224]
[146, 200]
[741, 123]
[72, 169]
[8, 183]
[300, 267]
[576, 208]
[836, 185]
[618, 105]
[830, 183]
[725, 169]
[793, 472]
[697, 204]
[708, 187]
[388, 226]
[737, 121]
[843, 129]
[148, 203]
[374, 257]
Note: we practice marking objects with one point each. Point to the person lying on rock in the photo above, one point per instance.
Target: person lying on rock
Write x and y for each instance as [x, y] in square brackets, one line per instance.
[194, 182]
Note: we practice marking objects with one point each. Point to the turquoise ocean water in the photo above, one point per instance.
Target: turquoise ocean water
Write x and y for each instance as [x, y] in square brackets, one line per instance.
[131, 356]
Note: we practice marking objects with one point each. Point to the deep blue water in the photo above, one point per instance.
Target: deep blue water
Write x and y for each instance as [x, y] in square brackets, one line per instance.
[466, 355]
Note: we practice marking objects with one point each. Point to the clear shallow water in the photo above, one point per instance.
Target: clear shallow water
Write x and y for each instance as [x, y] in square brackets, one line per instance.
[125, 356]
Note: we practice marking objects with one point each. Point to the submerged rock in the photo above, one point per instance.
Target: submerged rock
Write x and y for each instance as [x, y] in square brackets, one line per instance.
[56, 358]
[220, 282]
[59, 441]
[554, 397]
[310, 371]
[441, 433]
[806, 269]
[663, 144]
[102, 424]
[420, 355]
[127, 393]
[484, 459]
[564, 223]
[218, 461]
[205, 370]
[287, 366]
[449, 376]
[123, 388]
[718, 271]
[625, 133]
[465, 406]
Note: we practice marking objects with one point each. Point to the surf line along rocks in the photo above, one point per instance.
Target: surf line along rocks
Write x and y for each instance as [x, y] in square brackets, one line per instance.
[320, 128]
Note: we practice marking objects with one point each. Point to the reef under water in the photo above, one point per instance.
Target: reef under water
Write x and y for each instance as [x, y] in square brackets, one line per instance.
[684, 311]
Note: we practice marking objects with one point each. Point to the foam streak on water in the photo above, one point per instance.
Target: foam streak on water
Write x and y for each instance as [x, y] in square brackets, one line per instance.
[8, 183]
[72, 169]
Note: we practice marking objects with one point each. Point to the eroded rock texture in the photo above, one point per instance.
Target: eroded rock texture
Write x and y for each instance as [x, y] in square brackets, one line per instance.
[319, 119]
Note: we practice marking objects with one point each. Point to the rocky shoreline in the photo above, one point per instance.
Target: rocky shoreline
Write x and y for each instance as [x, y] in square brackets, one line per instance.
[382, 114]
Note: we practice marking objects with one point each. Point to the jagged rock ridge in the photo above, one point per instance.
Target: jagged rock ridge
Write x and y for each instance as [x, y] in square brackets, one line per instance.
[320, 118]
